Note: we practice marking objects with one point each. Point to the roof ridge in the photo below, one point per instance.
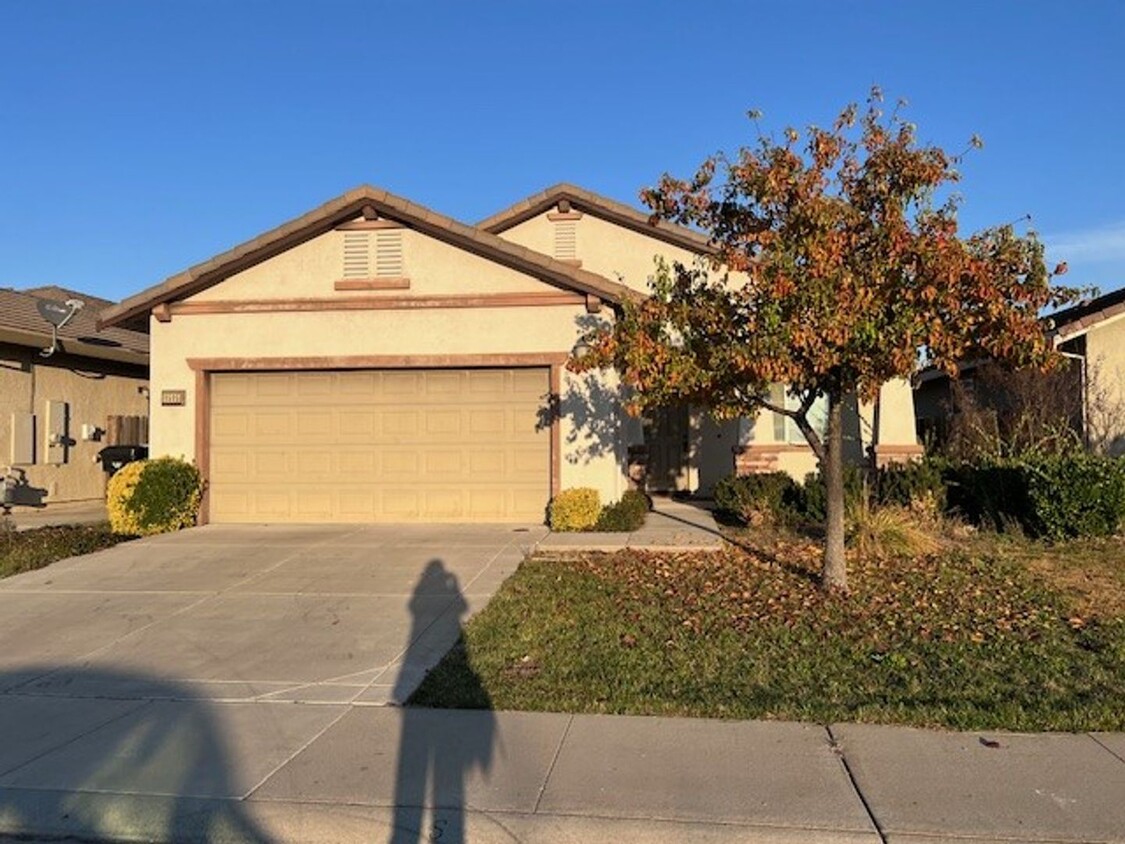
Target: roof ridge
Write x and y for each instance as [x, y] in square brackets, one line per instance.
[325, 217]
[600, 206]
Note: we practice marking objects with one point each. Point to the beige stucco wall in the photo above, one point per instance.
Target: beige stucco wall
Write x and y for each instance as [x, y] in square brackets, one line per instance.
[93, 391]
[308, 271]
[605, 248]
[1105, 392]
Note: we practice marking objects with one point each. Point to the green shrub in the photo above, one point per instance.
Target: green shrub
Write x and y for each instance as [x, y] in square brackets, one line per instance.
[752, 499]
[154, 496]
[575, 509]
[907, 484]
[1052, 497]
[1077, 495]
[813, 503]
[628, 514]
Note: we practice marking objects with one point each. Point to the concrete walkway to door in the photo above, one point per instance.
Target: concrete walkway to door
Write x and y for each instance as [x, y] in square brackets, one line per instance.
[671, 526]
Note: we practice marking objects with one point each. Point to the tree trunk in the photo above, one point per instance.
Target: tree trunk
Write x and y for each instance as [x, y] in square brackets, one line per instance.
[834, 574]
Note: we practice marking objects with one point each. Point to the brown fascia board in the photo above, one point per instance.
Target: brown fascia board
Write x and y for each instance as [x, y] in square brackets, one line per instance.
[598, 206]
[344, 208]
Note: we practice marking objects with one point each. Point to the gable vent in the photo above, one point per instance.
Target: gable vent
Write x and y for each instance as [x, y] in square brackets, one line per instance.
[388, 254]
[357, 255]
[373, 254]
[566, 240]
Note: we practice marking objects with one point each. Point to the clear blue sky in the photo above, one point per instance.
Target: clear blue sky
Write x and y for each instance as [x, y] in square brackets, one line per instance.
[139, 138]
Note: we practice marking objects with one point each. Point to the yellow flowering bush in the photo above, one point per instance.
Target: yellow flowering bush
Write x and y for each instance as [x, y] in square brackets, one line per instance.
[575, 509]
[154, 496]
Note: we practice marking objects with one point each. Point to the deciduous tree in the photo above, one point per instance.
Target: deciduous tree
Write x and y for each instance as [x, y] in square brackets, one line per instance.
[838, 265]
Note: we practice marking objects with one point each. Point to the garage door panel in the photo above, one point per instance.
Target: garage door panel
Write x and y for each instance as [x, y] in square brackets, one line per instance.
[401, 465]
[315, 424]
[380, 445]
[403, 382]
[440, 465]
[274, 425]
[316, 384]
[489, 421]
[232, 426]
[357, 423]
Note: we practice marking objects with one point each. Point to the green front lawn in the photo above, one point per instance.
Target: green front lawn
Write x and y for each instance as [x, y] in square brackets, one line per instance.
[985, 634]
[33, 549]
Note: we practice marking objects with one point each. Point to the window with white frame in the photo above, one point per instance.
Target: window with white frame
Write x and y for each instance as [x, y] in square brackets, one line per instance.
[785, 430]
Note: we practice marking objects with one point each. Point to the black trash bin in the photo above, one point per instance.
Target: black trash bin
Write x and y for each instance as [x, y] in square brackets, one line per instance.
[113, 457]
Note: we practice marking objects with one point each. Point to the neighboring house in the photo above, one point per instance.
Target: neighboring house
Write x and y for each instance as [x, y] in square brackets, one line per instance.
[56, 409]
[1090, 390]
[373, 360]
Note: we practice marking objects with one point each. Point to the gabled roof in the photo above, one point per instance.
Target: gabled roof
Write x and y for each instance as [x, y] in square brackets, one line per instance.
[1078, 319]
[599, 206]
[21, 323]
[134, 310]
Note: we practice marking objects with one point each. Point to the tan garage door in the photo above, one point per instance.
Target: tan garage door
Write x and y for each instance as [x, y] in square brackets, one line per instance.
[446, 445]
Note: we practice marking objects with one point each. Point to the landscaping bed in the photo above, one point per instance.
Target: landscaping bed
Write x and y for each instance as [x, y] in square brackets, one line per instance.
[33, 549]
[989, 632]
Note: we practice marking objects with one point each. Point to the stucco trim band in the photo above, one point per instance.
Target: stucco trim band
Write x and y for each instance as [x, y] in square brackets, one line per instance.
[375, 303]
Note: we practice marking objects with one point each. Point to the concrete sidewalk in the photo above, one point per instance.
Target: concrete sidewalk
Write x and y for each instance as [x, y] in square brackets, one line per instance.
[187, 770]
[670, 526]
[68, 513]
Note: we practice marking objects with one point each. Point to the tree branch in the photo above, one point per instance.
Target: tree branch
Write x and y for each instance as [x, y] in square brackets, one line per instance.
[801, 417]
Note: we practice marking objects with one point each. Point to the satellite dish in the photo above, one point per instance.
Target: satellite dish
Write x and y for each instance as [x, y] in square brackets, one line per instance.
[58, 314]
[55, 313]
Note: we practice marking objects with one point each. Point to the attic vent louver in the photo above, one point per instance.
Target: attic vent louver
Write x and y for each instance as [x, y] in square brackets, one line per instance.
[388, 254]
[373, 254]
[357, 255]
[566, 240]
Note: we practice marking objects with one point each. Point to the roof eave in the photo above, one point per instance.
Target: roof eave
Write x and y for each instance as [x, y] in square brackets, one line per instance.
[341, 209]
[74, 347]
[598, 206]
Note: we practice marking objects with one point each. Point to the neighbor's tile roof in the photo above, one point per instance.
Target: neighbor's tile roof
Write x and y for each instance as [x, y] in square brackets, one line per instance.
[599, 206]
[1076, 319]
[19, 313]
[135, 309]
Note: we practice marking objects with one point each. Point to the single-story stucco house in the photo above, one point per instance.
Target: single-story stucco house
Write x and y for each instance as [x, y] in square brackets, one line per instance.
[65, 397]
[1090, 389]
[373, 360]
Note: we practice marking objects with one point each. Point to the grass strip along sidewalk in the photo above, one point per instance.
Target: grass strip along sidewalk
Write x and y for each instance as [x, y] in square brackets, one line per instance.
[987, 634]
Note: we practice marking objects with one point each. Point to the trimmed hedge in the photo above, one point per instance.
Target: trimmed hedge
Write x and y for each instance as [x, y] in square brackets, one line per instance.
[580, 509]
[774, 496]
[154, 496]
[1049, 497]
[627, 515]
[575, 509]
[1058, 497]
[905, 484]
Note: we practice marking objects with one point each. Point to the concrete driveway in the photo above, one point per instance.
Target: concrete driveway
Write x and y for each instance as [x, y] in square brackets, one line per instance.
[316, 614]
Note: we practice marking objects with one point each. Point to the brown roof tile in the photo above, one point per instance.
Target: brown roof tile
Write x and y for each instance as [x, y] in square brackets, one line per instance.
[1076, 319]
[19, 315]
[134, 310]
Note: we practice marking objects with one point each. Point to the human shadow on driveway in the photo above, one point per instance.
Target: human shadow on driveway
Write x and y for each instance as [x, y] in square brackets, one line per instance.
[433, 763]
[108, 755]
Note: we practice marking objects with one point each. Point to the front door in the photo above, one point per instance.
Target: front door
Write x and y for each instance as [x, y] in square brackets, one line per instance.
[668, 439]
